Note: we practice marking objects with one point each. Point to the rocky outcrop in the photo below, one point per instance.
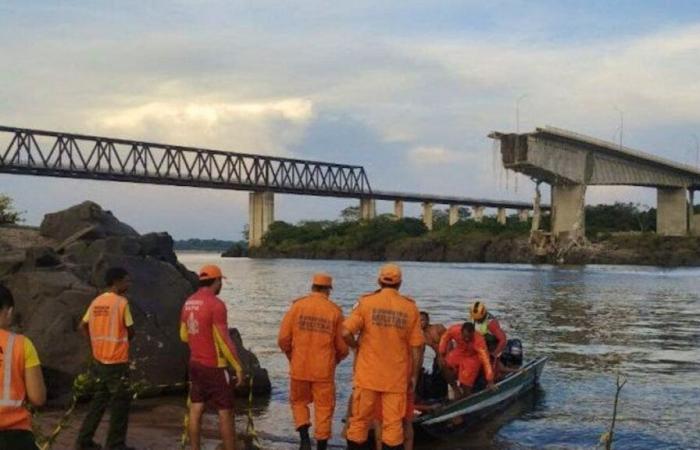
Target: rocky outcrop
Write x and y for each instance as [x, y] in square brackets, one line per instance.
[54, 284]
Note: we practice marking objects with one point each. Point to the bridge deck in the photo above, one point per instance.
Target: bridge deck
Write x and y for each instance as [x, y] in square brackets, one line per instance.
[26, 151]
[555, 155]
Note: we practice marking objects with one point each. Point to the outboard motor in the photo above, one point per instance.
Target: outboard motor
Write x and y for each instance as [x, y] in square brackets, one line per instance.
[512, 356]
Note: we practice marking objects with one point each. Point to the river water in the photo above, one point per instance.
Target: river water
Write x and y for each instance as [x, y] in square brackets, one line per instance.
[592, 322]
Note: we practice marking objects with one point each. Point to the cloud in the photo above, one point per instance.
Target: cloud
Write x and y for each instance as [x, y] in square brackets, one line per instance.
[260, 127]
[409, 91]
[433, 156]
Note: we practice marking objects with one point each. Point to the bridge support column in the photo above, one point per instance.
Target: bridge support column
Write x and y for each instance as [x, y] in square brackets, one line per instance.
[672, 212]
[568, 211]
[368, 208]
[428, 215]
[501, 216]
[478, 214]
[523, 215]
[261, 213]
[398, 209]
[454, 214]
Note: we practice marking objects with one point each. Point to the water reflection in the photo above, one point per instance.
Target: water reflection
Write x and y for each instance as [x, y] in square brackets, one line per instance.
[591, 322]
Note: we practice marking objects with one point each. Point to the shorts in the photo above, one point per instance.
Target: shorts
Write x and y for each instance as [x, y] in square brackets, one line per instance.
[409, 414]
[211, 386]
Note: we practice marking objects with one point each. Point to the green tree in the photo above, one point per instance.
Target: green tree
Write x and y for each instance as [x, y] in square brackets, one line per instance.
[8, 213]
[350, 214]
[619, 217]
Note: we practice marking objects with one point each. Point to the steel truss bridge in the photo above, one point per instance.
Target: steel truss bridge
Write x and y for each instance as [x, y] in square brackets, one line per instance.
[25, 151]
[54, 154]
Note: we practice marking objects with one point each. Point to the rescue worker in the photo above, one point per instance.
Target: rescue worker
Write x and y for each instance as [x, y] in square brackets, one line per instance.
[487, 326]
[466, 359]
[109, 326]
[310, 336]
[388, 350]
[20, 380]
[204, 327]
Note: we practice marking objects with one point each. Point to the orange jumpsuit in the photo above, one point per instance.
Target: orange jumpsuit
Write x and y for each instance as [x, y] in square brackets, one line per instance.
[389, 325]
[310, 336]
[466, 358]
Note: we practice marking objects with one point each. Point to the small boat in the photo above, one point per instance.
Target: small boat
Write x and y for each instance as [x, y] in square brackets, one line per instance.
[457, 415]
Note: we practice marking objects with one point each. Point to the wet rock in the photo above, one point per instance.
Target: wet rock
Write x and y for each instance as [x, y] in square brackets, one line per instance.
[251, 366]
[64, 224]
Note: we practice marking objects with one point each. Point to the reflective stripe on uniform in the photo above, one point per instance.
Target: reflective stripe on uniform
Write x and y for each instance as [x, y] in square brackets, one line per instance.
[6, 400]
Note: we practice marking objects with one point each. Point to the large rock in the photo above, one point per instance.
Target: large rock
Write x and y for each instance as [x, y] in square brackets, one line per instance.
[63, 224]
[54, 286]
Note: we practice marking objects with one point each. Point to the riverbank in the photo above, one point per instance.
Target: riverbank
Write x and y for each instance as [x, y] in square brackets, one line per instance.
[468, 241]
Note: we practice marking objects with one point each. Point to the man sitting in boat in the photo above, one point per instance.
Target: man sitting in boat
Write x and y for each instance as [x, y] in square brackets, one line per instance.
[487, 325]
[431, 385]
[463, 354]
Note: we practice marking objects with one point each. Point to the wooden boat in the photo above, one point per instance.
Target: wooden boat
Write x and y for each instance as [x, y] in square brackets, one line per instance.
[456, 416]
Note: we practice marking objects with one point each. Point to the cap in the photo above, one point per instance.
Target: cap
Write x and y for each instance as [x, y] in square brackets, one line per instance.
[322, 280]
[390, 274]
[210, 272]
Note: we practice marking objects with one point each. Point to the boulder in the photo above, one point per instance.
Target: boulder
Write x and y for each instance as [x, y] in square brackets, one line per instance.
[251, 366]
[64, 224]
[53, 287]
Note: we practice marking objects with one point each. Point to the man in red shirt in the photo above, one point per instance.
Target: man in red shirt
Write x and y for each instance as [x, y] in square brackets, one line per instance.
[204, 326]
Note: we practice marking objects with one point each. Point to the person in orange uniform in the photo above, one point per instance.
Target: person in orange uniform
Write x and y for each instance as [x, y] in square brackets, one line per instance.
[109, 326]
[204, 327]
[487, 326]
[20, 380]
[310, 336]
[466, 359]
[388, 350]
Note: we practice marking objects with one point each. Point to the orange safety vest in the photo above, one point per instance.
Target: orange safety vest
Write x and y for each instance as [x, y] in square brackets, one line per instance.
[108, 333]
[13, 415]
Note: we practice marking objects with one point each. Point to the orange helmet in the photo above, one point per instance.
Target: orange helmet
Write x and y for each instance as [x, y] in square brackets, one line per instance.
[477, 311]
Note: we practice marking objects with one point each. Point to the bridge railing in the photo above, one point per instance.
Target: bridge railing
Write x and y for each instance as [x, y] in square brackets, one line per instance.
[48, 153]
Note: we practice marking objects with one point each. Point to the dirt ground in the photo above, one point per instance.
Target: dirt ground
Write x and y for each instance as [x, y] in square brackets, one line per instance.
[154, 424]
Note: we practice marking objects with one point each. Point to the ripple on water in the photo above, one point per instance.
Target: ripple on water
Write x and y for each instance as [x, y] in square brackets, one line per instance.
[592, 322]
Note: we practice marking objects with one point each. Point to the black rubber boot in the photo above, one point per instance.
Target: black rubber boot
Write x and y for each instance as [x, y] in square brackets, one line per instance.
[322, 444]
[392, 447]
[352, 445]
[304, 436]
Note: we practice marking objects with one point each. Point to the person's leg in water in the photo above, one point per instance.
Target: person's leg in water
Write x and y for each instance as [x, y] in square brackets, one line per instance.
[195, 424]
[227, 428]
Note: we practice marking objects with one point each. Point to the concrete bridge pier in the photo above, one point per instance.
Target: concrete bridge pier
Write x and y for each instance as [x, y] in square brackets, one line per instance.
[398, 209]
[501, 216]
[672, 211]
[478, 214]
[428, 215]
[261, 213]
[368, 208]
[523, 215]
[454, 214]
[568, 211]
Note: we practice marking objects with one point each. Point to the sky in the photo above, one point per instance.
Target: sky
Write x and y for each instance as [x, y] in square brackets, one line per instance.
[408, 89]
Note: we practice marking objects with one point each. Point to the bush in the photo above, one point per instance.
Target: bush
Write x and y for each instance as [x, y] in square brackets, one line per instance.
[8, 214]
